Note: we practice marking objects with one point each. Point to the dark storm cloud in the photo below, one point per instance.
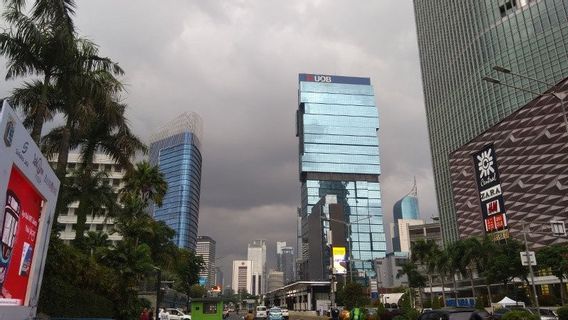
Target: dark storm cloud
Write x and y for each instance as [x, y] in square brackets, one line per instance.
[236, 64]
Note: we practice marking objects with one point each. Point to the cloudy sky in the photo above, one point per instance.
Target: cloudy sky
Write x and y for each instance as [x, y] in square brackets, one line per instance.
[236, 63]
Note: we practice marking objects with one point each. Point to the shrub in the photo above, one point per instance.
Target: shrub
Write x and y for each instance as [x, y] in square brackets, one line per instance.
[562, 313]
[519, 315]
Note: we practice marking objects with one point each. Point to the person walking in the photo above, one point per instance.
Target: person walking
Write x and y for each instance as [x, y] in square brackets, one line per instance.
[164, 315]
[249, 315]
[144, 314]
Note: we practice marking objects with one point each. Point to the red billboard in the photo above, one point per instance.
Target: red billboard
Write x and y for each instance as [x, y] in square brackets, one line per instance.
[18, 237]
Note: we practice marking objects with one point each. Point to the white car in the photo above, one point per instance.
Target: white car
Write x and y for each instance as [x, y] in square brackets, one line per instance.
[285, 313]
[177, 314]
[260, 313]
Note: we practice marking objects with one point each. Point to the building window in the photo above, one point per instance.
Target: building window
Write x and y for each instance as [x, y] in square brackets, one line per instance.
[507, 8]
[108, 167]
[115, 182]
[209, 308]
[99, 227]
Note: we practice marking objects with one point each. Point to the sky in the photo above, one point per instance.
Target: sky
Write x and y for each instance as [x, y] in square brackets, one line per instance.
[236, 64]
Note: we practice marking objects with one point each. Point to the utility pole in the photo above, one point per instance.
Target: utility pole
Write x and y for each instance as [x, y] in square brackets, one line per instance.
[527, 257]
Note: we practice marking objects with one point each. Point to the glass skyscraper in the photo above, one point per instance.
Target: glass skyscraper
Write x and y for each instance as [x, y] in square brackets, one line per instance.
[337, 125]
[176, 150]
[405, 213]
[459, 43]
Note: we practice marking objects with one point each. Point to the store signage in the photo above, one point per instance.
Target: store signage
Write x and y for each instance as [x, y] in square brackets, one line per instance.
[28, 191]
[339, 262]
[306, 77]
[491, 198]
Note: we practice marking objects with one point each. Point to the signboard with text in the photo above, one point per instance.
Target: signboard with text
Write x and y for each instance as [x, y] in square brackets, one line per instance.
[323, 78]
[28, 191]
[491, 198]
[339, 262]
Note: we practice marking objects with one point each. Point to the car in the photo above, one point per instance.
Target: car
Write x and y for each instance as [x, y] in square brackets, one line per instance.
[260, 312]
[285, 313]
[275, 313]
[177, 314]
[455, 314]
[545, 314]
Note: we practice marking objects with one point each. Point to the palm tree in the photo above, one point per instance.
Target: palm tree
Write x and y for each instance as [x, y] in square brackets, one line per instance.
[444, 268]
[95, 241]
[424, 252]
[146, 182]
[415, 279]
[94, 196]
[38, 45]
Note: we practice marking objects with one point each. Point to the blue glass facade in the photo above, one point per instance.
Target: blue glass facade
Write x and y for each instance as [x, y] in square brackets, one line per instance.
[179, 159]
[337, 124]
[406, 208]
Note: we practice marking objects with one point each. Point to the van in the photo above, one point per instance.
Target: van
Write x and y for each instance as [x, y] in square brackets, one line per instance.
[260, 312]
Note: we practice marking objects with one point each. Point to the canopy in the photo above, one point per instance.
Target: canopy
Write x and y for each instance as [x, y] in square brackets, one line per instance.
[510, 302]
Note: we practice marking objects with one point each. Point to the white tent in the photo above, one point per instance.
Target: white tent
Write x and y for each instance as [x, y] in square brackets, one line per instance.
[507, 302]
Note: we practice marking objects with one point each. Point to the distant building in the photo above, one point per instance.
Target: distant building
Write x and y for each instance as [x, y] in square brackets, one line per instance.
[219, 277]
[257, 254]
[242, 276]
[405, 212]
[275, 280]
[176, 150]
[429, 231]
[389, 267]
[114, 177]
[206, 250]
[288, 264]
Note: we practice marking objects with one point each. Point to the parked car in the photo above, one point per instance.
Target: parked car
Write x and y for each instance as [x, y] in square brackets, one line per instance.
[177, 314]
[275, 313]
[260, 312]
[285, 313]
[545, 314]
[455, 314]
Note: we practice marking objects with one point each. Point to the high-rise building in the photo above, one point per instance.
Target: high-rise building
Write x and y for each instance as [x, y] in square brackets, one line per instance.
[206, 250]
[459, 43]
[337, 125]
[176, 150]
[114, 177]
[257, 254]
[275, 280]
[219, 277]
[242, 275]
[288, 264]
[405, 213]
[279, 246]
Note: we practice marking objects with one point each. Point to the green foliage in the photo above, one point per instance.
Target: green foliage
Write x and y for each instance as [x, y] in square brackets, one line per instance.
[519, 315]
[197, 291]
[352, 295]
[436, 303]
[562, 313]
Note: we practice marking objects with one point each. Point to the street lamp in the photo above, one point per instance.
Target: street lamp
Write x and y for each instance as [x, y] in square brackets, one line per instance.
[158, 285]
[348, 224]
[561, 96]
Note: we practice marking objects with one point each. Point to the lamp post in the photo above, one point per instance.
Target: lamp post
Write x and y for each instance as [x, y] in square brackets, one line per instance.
[561, 96]
[348, 224]
[158, 285]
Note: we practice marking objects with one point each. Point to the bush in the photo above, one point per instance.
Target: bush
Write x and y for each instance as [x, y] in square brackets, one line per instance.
[519, 315]
[562, 313]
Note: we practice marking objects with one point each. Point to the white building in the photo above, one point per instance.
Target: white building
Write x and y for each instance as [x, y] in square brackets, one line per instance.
[115, 177]
[242, 275]
[400, 229]
[275, 280]
[206, 249]
[257, 254]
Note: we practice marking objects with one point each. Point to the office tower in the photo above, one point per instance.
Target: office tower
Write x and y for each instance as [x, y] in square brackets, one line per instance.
[176, 150]
[288, 264]
[219, 277]
[275, 280]
[405, 213]
[206, 250]
[459, 43]
[257, 254]
[337, 126]
[114, 177]
[242, 276]
[279, 246]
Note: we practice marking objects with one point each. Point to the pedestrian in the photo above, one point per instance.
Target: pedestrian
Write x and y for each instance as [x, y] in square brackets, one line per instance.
[164, 315]
[151, 314]
[335, 313]
[249, 315]
[144, 314]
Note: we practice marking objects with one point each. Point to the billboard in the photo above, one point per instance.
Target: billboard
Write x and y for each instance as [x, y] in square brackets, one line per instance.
[28, 191]
[339, 261]
[324, 78]
[490, 196]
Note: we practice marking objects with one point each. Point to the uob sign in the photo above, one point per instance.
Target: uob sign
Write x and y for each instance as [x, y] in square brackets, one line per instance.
[318, 78]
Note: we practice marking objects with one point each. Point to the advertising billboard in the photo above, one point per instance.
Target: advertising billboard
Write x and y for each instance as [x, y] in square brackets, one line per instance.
[28, 191]
[490, 195]
[339, 261]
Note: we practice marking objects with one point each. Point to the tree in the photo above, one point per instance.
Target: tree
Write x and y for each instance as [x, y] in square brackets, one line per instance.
[95, 198]
[197, 291]
[555, 257]
[415, 279]
[444, 269]
[352, 295]
[187, 269]
[147, 182]
[39, 44]
[425, 252]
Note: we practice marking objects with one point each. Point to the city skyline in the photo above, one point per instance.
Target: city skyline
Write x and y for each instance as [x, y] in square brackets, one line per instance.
[245, 88]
